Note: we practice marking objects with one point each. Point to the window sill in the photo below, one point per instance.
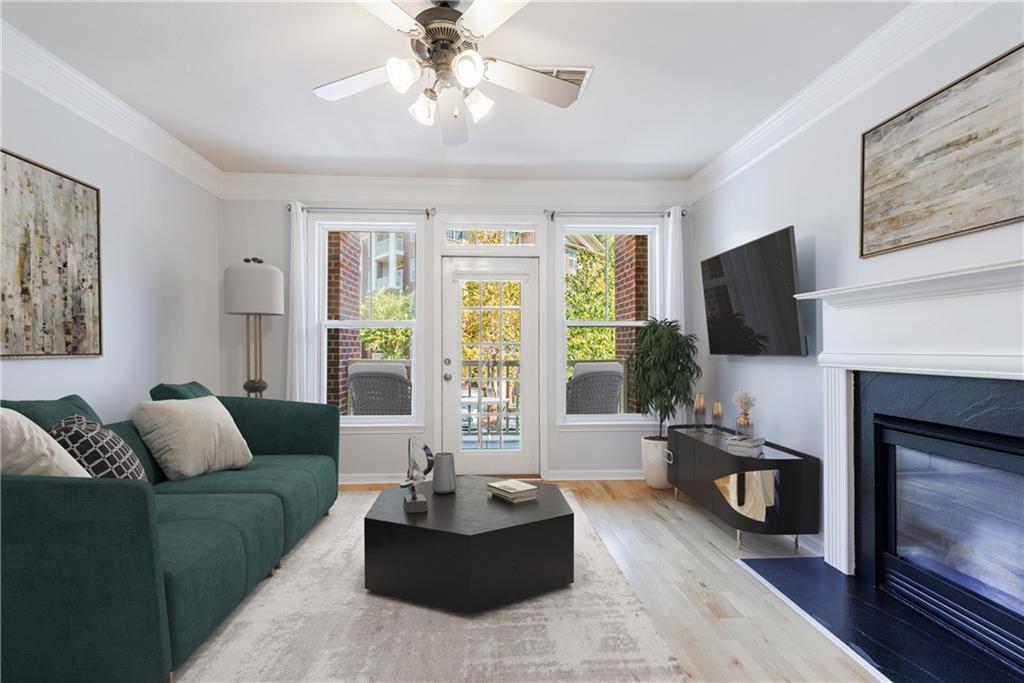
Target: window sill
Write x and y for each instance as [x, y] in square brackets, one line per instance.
[381, 428]
[606, 426]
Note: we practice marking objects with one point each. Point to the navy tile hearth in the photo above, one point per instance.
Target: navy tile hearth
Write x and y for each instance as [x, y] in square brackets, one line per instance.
[902, 643]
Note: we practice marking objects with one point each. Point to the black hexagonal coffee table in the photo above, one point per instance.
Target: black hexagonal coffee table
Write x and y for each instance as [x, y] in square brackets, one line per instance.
[469, 551]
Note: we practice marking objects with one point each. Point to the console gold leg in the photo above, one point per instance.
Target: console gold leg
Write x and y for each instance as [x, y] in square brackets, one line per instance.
[675, 493]
[739, 541]
[796, 543]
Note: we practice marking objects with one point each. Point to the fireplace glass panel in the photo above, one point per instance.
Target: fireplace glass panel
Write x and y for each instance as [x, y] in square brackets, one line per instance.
[964, 522]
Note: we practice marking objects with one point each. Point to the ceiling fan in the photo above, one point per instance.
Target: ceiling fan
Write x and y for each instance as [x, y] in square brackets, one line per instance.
[444, 44]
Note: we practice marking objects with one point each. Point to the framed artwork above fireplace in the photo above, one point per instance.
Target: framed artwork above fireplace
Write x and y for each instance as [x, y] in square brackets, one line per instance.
[951, 164]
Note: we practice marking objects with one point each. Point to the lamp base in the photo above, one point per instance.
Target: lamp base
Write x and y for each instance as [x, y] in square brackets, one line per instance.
[255, 386]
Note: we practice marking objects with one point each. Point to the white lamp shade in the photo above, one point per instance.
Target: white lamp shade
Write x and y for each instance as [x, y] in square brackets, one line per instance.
[253, 288]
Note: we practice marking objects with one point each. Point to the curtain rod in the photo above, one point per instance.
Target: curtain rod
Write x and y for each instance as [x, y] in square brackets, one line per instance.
[550, 214]
[429, 213]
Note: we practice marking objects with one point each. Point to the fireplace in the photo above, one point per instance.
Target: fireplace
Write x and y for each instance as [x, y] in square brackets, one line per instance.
[939, 504]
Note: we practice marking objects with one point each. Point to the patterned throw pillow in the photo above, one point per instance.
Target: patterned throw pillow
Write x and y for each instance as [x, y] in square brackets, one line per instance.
[100, 451]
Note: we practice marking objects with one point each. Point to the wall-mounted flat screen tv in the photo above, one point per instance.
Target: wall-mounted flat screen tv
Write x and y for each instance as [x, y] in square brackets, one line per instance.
[748, 299]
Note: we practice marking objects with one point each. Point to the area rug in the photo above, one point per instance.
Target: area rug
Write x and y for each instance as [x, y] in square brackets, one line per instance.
[314, 621]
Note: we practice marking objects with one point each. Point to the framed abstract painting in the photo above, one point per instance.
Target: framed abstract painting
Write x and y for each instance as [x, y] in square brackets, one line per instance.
[50, 263]
[950, 164]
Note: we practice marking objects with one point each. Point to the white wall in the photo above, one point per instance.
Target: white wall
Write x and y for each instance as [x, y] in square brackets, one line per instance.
[158, 247]
[813, 182]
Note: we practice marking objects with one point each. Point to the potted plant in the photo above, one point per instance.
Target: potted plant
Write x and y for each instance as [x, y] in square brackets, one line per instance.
[663, 370]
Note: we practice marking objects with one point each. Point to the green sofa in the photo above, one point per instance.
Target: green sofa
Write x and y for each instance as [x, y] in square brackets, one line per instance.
[116, 580]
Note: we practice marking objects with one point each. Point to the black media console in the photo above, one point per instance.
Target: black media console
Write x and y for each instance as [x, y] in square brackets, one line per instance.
[776, 493]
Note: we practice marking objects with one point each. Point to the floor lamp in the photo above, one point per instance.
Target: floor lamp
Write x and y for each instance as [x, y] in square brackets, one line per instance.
[253, 289]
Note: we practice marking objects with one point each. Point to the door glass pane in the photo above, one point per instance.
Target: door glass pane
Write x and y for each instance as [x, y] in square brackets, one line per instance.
[489, 390]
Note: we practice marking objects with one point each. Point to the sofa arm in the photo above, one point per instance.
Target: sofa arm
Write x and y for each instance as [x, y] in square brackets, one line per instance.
[81, 584]
[273, 427]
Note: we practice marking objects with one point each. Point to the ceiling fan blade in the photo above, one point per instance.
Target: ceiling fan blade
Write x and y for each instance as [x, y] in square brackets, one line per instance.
[533, 83]
[345, 87]
[392, 15]
[451, 112]
[484, 16]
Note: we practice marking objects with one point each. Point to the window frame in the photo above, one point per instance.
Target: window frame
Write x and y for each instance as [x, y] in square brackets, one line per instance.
[654, 228]
[523, 222]
[322, 225]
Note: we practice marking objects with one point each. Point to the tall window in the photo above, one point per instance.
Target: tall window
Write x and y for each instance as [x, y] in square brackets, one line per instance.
[607, 285]
[370, 323]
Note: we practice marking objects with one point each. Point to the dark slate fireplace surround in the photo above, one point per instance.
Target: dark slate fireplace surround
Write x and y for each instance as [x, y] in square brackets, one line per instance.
[939, 501]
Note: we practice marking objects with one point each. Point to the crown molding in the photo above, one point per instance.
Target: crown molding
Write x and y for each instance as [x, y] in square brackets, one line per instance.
[421, 191]
[41, 70]
[906, 35]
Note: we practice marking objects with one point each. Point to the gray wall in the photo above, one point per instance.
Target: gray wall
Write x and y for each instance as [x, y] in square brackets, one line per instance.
[158, 244]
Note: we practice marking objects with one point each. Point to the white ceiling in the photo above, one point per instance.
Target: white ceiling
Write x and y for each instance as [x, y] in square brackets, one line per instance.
[674, 83]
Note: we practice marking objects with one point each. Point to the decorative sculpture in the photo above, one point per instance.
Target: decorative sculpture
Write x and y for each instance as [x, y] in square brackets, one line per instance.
[413, 502]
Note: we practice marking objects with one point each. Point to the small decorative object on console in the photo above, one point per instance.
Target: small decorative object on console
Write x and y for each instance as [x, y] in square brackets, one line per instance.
[700, 408]
[414, 502]
[716, 417]
[744, 445]
[744, 401]
[512, 490]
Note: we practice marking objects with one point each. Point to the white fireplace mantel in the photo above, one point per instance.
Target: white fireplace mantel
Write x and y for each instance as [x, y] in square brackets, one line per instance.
[963, 323]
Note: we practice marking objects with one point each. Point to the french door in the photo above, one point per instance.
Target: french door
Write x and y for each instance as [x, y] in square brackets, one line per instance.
[489, 367]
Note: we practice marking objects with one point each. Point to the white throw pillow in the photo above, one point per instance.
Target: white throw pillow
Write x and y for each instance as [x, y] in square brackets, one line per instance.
[26, 448]
[193, 436]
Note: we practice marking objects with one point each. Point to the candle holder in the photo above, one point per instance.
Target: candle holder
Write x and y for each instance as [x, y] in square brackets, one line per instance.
[700, 408]
[716, 417]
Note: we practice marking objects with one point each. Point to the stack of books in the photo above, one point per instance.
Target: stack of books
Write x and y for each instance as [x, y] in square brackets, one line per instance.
[512, 490]
[747, 446]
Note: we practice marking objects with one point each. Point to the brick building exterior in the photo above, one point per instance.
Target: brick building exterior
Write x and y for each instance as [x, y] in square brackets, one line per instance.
[631, 291]
[344, 250]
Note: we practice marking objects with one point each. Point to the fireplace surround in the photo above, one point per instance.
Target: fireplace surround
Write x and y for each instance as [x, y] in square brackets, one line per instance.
[939, 501]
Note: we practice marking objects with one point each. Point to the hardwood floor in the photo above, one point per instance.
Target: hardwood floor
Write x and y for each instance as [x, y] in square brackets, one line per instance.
[719, 620]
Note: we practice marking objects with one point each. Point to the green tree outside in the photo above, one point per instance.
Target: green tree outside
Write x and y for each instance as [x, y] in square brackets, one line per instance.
[590, 295]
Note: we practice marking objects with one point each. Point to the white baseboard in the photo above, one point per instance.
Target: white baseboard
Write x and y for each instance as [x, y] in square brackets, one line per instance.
[579, 475]
[553, 475]
[385, 478]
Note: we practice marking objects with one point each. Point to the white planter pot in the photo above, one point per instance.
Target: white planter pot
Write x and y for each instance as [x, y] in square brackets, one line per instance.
[653, 453]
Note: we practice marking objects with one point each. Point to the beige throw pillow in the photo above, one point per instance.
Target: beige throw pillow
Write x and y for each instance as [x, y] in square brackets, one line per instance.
[25, 448]
[189, 437]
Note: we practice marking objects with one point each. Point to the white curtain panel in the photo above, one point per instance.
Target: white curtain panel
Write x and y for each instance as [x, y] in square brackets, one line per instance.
[672, 266]
[301, 374]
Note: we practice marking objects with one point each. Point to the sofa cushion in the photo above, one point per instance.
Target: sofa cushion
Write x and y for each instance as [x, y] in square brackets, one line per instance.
[257, 517]
[48, 413]
[127, 431]
[320, 467]
[294, 486]
[204, 579]
[191, 437]
[29, 450]
[163, 392]
[103, 453]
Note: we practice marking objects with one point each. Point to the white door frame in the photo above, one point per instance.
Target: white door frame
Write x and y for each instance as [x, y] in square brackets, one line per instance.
[526, 460]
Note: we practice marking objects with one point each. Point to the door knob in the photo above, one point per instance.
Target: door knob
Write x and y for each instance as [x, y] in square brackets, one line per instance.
[447, 377]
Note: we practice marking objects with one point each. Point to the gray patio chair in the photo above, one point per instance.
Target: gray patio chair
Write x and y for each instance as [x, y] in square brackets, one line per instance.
[594, 388]
[379, 389]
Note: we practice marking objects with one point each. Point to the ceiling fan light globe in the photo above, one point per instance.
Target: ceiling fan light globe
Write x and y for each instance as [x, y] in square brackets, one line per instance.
[478, 104]
[403, 73]
[468, 67]
[423, 108]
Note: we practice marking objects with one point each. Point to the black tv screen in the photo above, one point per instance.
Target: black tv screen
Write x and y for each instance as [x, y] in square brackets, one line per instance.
[748, 299]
